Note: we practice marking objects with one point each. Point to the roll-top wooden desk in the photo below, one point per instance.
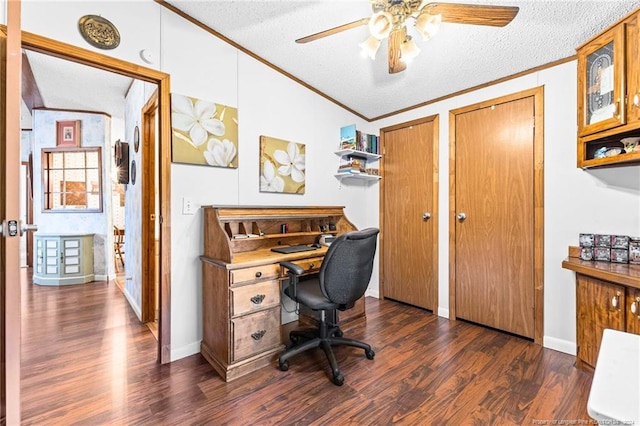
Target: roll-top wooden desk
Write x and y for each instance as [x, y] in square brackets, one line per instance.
[241, 278]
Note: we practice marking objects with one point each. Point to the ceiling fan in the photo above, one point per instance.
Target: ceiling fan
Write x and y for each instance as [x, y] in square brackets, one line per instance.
[390, 18]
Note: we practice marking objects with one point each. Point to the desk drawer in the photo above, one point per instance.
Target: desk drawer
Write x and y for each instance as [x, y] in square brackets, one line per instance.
[309, 265]
[253, 297]
[255, 273]
[255, 333]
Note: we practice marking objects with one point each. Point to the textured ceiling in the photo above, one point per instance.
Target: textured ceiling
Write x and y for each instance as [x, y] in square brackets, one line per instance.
[457, 58]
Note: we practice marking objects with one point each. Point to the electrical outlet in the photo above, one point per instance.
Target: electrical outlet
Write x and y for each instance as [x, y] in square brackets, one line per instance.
[187, 206]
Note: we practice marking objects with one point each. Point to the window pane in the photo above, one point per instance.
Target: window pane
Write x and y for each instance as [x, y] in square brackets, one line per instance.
[56, 160]
[93, 160]
[75, 160]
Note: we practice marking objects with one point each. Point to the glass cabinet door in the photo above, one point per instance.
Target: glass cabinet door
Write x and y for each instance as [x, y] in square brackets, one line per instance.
[601, 83]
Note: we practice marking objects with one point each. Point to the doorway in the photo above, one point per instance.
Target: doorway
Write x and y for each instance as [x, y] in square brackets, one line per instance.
[409, 213]
[96, 60]
[149, 212]
[496, 213]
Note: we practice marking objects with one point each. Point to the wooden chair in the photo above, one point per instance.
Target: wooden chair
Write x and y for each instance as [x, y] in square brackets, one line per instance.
[118, 246]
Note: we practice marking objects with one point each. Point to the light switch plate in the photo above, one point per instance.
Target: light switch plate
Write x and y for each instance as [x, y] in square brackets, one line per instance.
[187, 206]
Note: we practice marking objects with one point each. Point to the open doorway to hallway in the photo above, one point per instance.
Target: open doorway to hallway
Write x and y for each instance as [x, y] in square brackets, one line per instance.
[118, 101]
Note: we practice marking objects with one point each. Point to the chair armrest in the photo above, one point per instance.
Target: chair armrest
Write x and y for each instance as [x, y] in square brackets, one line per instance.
[292, 268]
[293, 271]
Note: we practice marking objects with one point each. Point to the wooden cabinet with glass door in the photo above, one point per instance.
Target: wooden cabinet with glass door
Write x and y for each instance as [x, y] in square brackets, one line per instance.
[609, 96]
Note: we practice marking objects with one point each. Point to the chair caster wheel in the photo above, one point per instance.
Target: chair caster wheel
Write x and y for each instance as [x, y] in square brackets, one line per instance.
[370, 353]
[294, 339]
[338, 379]
[284, 365]
[338, 333]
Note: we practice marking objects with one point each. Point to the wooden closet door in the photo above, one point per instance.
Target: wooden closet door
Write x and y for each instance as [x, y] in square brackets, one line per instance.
[409, 240]
[494, 189]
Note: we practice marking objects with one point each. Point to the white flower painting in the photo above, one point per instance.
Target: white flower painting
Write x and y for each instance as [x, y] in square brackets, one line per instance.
[203, 132]
[282, 166]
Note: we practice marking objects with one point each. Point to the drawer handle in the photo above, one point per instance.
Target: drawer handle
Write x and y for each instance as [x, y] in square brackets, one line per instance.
[257, 299]
[615, 300]
[258, 274]
[311, 266]
[634, 307]
[258, 334]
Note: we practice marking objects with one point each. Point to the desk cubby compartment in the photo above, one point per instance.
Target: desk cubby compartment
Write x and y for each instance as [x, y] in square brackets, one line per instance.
[246, 229]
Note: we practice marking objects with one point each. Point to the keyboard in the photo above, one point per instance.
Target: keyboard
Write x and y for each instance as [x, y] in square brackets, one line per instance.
[293, 249]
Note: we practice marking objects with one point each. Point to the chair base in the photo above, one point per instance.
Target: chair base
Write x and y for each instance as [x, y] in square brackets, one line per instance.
[324, 337]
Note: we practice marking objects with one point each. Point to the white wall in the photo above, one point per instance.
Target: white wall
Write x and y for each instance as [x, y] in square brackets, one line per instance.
[598, 201]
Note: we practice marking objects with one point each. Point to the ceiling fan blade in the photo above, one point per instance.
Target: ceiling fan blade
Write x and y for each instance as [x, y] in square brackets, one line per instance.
[333, 31]
[393, 49]
[473, 14]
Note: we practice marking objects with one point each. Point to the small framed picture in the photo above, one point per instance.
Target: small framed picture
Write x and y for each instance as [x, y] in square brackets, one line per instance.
[68, 133]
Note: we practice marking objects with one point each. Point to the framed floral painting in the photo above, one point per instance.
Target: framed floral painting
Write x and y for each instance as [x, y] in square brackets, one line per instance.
[282, 166]
[203, 132]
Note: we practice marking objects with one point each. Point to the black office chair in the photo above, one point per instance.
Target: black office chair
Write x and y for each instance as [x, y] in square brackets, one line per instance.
[343, 278]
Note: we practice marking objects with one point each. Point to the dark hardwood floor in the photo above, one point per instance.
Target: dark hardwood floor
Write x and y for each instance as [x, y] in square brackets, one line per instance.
[86, 360]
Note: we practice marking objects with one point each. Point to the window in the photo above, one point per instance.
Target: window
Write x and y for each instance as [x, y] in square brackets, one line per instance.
[72, 179]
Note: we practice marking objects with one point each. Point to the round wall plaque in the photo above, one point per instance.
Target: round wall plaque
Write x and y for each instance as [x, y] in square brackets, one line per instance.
[133, 172]
[99, 32]
[136, 139]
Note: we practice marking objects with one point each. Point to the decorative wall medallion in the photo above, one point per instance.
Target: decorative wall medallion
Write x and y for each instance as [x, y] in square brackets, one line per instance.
[133, 172]
[136, 139]
[99, 32]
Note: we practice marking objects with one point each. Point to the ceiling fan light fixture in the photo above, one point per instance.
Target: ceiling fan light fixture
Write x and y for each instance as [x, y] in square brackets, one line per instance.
[408, 50]
[380, 25]
[428, 25]
[370, 47]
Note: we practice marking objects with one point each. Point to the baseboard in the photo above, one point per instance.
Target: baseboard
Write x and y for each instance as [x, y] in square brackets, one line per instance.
[372, 293]
[185, 351]
[443, 312]
[133, 304]
[102, 277]
[560, 345]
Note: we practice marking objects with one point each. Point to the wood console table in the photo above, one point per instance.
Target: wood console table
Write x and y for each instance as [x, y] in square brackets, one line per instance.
[241, 279]
[607, 296]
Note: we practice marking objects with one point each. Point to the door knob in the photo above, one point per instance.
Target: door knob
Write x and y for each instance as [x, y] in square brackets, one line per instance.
[24, 227]
[426, 216]
[461, 216]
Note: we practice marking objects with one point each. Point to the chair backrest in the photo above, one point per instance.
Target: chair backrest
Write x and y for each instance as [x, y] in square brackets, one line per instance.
[118, 235]
[347, 266]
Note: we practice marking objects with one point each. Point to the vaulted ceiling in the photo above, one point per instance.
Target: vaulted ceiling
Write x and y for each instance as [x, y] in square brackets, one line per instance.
[459, 57]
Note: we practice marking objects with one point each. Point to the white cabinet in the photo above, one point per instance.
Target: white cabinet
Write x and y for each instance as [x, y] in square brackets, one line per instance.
[63, 259]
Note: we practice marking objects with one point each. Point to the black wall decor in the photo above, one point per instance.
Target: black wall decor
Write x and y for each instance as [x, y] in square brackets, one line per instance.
[121, 157]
